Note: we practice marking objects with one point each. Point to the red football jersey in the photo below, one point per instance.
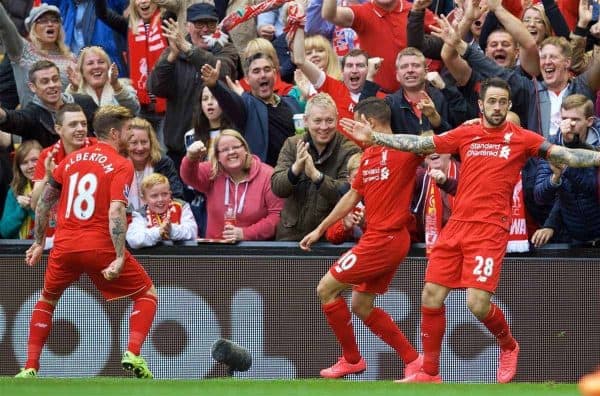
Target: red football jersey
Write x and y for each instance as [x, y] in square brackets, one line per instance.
[386, 179]
[491, 159]
[91, 178]
[40, 168]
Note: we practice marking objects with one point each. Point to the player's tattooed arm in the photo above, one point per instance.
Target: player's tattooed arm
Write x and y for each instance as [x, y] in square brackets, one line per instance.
[117, 226]
[48, 199]
[421, 145]
[575, 158]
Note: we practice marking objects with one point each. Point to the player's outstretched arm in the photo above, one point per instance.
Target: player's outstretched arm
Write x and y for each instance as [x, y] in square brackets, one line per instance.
[48, 199]
[117, 224]
[575, 158]
[362, 132]
[341, 209]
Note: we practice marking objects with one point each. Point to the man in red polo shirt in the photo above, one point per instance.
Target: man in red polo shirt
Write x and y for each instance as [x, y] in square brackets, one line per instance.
[381, 28]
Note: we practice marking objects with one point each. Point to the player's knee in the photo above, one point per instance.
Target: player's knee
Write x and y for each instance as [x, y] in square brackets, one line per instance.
[325, 293]
[361, 309]
[432, 296]
[478, 306]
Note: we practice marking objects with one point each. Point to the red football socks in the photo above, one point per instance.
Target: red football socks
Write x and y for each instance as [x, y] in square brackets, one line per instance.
[39, 329]
[384, 327]
[140, 321]
[433, 327]
[497, 325]
[340, 320]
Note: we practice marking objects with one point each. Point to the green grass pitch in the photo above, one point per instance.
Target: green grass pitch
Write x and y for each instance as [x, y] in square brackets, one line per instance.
[106, 386]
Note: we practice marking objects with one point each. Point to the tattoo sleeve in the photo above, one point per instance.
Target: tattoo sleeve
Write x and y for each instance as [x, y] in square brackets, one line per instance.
[420, 145]
[118, 227]
[49, 197]
[576, 158]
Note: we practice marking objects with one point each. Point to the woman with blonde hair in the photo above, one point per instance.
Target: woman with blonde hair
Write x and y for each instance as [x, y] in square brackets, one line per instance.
[320, 52]
[239, 200]
[46, 42]
[146, 41]
[147, 158]
[98, 77]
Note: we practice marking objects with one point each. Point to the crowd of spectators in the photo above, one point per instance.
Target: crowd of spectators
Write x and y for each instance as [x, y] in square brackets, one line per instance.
[215, 147]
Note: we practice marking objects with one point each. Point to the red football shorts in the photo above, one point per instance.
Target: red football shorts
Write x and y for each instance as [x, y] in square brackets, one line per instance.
[371, 264]
[64, 268]
[468, 255]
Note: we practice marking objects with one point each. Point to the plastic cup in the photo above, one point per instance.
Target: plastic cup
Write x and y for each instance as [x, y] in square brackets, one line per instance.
[299, 123]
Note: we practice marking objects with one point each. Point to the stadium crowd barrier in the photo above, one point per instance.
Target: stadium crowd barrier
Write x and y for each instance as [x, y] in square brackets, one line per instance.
[262, 296]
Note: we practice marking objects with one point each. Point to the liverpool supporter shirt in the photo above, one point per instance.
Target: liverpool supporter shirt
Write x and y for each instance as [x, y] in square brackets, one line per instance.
[386, 179]
[90, 179]
[491, 159]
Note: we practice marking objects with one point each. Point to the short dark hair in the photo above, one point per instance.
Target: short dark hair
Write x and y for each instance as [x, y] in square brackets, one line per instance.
[108, 117]
[376, 108]
[495, 82]
[40, 65]
[67, 108]
[354, 52]
[259, 55]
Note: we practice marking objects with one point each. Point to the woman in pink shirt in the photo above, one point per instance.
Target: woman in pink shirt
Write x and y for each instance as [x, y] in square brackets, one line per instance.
[236, 184]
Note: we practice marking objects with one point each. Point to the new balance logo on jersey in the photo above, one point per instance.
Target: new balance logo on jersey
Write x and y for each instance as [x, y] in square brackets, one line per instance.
[482, 279]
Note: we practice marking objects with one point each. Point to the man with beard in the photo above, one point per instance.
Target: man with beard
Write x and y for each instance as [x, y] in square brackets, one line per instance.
[90, 187]
[266, 118]
[469, 251]
[575, 214]
[36, 120]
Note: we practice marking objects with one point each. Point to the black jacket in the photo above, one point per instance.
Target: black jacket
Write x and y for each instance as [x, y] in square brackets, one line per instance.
[36, 122]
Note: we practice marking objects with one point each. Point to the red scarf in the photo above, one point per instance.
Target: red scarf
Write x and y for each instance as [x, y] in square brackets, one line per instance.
[172, 215]
[518, 240]
[144, 50]
[433, 210]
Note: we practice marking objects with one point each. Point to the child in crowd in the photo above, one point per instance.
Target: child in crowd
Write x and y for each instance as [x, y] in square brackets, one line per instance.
[161, 218]
[350, 227]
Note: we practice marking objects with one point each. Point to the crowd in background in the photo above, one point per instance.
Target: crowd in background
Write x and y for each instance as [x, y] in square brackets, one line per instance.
[237, 135]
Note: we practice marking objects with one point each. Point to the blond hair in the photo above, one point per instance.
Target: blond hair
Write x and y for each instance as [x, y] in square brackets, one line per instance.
[152, 180]
[80, 61]
[143, 124]
[260, 45]
[540, 9]
[60, 43]
[354, 162]
[319, 42]
[321, 99]
[213, 152]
